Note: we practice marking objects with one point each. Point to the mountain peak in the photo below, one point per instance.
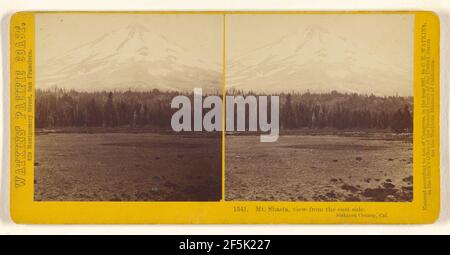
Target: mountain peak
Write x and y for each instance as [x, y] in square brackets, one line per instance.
[137, 28]
[318, 35]
[130, 57]
[316, 59]
[316, 30]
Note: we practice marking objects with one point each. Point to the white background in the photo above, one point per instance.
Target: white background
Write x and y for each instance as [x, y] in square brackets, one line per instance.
[7, 7]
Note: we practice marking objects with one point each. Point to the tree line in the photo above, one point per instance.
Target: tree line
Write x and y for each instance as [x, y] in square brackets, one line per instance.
[347, 111]
[59, 108]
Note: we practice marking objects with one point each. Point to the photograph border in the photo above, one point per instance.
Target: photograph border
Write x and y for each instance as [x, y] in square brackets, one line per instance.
[423, 209]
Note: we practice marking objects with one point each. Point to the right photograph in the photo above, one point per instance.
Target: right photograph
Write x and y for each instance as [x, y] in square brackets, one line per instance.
[344, 89]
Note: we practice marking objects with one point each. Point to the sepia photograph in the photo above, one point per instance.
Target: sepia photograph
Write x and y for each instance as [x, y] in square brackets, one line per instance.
[104, 86]
[345, 89]
[318, 107]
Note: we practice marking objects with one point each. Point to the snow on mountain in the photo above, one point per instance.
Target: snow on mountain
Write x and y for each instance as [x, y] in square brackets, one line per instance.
[316, 60]
[132, 57]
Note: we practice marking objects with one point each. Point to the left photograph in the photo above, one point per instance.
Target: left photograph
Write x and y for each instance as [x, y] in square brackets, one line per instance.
[104, 87]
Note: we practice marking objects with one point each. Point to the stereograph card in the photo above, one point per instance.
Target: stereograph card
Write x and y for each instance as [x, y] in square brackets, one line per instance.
[224, 117]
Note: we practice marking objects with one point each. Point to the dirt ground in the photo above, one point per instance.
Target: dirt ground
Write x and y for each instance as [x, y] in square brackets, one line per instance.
[161, 167]
[127, 167]
[376, 167]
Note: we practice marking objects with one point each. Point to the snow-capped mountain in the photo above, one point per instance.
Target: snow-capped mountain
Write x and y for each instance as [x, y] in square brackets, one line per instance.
[319, 61]
[132, 57]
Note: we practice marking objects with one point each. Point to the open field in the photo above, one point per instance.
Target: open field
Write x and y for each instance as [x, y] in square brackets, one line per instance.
[300, 166]
[127, 167]
[354, 167]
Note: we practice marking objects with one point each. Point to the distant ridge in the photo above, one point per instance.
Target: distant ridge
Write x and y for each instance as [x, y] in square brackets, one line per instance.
[132, 57]
[317, 60]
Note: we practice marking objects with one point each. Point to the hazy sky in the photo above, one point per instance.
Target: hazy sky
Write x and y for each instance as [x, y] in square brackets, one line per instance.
[380, 44]
[389, 36]
[59, 33]
[362, 53]
[98, 51]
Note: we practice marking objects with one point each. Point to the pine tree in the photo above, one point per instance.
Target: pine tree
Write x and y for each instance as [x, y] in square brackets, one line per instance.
[109, 112]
